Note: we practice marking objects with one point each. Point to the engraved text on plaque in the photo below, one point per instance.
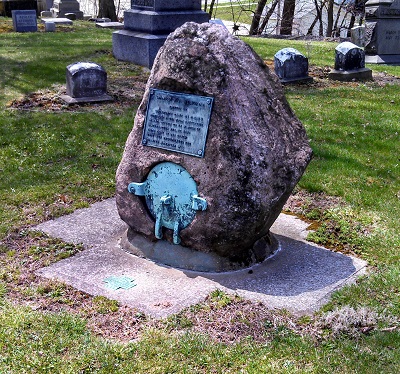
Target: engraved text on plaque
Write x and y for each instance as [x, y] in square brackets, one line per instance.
[177, 122]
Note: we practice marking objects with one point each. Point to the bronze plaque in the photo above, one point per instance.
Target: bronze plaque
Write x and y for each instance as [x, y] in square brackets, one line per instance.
[177, 122]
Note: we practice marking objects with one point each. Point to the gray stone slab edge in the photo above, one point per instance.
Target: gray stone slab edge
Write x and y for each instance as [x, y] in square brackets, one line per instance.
[299, 277]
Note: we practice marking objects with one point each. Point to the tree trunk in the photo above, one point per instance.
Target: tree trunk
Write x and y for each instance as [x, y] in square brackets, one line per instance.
[210, 11]
[255, 23]
[287, 17]
[336, 31]
[107, 10]
[313, 23]
[351, 25]
[329, 26]
[318, 18]
[267, 17]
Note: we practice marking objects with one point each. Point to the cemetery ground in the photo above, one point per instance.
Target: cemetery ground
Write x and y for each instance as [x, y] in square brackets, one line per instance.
[55, 159]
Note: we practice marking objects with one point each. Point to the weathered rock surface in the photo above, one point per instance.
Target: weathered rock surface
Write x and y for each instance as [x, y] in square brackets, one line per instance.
[256, 149]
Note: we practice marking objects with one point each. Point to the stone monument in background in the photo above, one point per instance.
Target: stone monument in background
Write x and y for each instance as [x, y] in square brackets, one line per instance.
[382, 34]
[214, 153]
[147, 25]
[62, 7]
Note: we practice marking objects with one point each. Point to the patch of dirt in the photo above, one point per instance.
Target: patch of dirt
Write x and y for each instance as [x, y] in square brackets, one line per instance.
[127, 91]
[321, 79]
[24, 252]
[301, 203]
[223, 318]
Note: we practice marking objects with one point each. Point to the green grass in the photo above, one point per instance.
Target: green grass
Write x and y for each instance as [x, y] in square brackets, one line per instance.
[47, 155]
[239, 12]
[54, 162]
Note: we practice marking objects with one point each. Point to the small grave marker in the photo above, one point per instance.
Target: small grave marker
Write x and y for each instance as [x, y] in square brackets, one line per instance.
[291, 66]
[86, 82]
[50, 27]
[24, 20]
[350, 63]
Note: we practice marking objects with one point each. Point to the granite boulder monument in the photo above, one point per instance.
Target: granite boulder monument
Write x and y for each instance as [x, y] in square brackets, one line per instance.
[214, 153]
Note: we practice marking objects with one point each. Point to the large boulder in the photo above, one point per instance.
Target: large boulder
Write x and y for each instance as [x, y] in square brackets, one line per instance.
[256, 148]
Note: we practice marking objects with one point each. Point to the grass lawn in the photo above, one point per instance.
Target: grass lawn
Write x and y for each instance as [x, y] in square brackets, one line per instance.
[55, 159]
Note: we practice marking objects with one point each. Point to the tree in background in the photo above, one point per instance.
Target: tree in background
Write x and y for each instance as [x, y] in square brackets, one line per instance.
[107, 10]
[287, 17]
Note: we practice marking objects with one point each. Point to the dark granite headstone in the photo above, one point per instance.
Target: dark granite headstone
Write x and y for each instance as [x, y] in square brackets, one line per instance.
[382, 22]
[62, 7]
[86, 82]
[147, 25]
[24, 20]
[350, 63]
[291, 66]
[71, 16]
[348, 56]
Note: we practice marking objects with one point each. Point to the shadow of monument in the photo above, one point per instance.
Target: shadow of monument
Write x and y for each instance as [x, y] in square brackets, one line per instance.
[296, 268]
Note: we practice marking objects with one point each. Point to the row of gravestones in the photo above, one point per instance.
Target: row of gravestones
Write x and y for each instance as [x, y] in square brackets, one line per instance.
[292, 67]
[87, 81]
[26, 21]
[148, 23]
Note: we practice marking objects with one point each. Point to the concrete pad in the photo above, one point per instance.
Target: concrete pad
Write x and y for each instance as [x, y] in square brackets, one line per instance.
[86, 100]
[58, 21]
[110, 25]
[300, 277]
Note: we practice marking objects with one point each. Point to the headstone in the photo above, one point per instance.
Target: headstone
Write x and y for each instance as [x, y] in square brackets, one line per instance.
[62, 7]
[350, 63]
[71, 16]
[382, 22]
[358, 36]
[86, 83]
[24, 20]
[291, 66]
[49, 27]
[46, 14]
[147, 25]
[214, 153]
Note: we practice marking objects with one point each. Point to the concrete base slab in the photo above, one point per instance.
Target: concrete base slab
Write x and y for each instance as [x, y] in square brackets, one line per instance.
[300, 277]
[382, 59]
[85, 100]
[349, 75]
[110, 25]
[58, 21]
[296, 80]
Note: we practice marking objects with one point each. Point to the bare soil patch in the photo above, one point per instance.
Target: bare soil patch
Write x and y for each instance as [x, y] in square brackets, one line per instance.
[127, 86]
[223, 318]
[127, 91]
